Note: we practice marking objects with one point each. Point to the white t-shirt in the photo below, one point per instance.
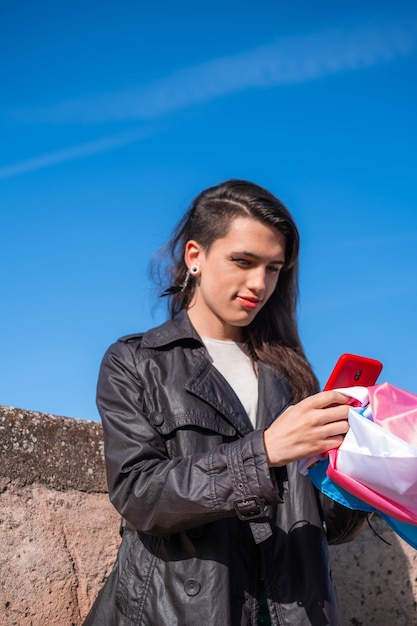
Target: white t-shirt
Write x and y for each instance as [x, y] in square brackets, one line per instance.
[232, 361]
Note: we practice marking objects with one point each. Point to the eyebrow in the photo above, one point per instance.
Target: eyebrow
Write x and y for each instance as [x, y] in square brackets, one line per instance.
[257, 257]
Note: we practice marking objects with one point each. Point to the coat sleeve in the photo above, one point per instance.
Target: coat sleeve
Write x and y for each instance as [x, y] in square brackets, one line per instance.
[162, 495]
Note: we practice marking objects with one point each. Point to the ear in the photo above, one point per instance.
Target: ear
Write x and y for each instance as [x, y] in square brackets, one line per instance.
[192, 253]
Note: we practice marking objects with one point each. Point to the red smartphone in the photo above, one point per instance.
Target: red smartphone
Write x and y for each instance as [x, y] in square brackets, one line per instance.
[351, 370]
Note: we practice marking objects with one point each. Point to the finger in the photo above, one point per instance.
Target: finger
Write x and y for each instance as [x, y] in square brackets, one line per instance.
[333, 413]
[331, 429]
[326, 398]
[329, 440]
[331, 420]
[333, 442]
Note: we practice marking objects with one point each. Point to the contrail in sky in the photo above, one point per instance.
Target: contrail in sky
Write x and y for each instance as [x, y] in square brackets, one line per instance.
[105, 144]
[287, 61]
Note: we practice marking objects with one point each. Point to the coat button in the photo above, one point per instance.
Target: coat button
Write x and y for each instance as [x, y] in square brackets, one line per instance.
[156, 419]
[192, 587]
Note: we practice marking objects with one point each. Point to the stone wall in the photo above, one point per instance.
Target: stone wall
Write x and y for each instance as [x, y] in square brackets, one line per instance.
[59, 533]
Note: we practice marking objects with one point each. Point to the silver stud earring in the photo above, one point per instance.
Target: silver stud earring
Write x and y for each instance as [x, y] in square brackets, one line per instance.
[194, 270]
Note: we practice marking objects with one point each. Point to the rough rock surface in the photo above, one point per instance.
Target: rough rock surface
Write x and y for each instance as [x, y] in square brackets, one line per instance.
[57, 550]
[59, 533]
[376, 581]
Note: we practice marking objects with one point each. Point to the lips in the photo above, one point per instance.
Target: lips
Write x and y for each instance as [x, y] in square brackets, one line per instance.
[249, 302]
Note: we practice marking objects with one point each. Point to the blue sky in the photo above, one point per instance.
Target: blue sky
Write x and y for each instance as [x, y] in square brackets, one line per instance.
[113, 116]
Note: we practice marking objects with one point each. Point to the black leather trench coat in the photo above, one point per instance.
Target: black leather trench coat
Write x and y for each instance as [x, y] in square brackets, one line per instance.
[207, 526]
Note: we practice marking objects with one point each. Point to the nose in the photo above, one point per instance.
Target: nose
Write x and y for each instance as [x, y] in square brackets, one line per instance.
[257, 280]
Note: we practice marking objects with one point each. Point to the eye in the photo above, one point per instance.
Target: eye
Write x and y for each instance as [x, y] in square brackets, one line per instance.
[240, 261]
[274, 269]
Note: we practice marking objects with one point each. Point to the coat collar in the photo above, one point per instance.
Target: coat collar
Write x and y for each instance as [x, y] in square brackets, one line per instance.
[208, 384]
[175, 330]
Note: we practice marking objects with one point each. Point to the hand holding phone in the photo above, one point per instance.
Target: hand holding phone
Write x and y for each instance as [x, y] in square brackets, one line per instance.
[350, 370]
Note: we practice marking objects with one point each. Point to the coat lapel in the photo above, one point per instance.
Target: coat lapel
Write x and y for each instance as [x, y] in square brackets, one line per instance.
[274, 395]
[208, 384]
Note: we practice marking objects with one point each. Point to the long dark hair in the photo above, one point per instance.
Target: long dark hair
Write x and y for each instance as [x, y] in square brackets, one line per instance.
[272, 337]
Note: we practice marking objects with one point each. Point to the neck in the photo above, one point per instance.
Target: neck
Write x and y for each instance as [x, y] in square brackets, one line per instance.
[215, 328]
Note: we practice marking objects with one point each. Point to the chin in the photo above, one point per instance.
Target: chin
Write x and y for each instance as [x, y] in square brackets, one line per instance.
[242, 323]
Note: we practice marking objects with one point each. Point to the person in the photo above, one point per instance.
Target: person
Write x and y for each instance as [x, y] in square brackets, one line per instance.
[205, 419]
